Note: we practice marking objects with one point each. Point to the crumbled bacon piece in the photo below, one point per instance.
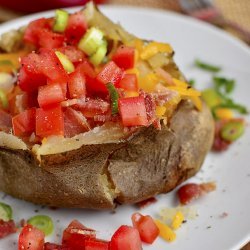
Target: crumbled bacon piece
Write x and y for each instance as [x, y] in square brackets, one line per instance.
[146, 203]
[193, 191]
[6, 228]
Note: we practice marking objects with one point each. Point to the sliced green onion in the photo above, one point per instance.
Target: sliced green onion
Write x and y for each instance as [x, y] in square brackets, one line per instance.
[211, 97]
[42, 222]
[191, 82]
[206, 66]
[61, 20]
[224, 85]
[5, 212]
[99, 55]
[66, 63]
[231, 131]
[91, 41]
[4, 99]
[235, 106]
[114, 96]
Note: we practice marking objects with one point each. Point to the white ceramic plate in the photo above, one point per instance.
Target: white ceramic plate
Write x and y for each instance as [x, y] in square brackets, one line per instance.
[191, 39]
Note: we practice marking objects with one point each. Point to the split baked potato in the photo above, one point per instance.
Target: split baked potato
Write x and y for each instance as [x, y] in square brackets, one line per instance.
[108, 165]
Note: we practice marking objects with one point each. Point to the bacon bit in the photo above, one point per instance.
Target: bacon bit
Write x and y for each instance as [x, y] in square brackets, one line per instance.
[208, 187]
[163, 95]
[92, 107]
[150, 106]
[193, 191]
[146, 203]
[23, 222]
[7, 228]
[224, 215]
[165, 76]
[5, 121]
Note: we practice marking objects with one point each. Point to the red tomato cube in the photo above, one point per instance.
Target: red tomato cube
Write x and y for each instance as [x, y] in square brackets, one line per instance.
[129, 83]
[51, 67]
[76, 28]
[133, 111]
[76, 84]
[24, 123]
[31, 238]
[146, 227]
[49, 121]
[95, 244]
[126, 238]
[74, 55]
[31, 32]
[124, 57]
[75, 234]
[49, 39]
[50, 94]
[110, 73]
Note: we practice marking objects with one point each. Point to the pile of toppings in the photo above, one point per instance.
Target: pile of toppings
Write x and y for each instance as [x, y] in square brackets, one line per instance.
[228, 127]
[74, 77]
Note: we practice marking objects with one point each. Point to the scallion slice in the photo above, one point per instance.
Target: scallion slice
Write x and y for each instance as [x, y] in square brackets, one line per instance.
[5, 212]
[99, 55]
[66, 63]
[61, 20]
[42, 222]
[114, 96]
[91, 41]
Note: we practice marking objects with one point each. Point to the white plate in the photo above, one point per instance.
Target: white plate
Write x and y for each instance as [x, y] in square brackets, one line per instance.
[191, 39]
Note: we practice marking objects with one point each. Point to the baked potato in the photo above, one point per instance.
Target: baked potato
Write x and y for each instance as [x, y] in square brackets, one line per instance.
[109, 164]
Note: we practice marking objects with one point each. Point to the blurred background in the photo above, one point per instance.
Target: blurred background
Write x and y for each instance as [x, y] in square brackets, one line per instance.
[230, 15]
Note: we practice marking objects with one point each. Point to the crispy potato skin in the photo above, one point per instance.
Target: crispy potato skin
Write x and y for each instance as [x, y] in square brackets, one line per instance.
[152, 162]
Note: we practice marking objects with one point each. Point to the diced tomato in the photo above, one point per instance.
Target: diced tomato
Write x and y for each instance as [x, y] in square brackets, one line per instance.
[74, 123]
[49, 39]
[31, 32]
[76, 84]
[51, 246]
[36, 68]
[30, 76]
[94, 244]
[110, 73]
[126, 238]
[24, 123]
[49, 121]
[5, 121]
[31, 238]
[133, 111]
[124, 57]
[76, 28]
[51, 67]
[74, 55]
[129, 83]
[7, 228]
[146, 227]
[93, 86]
[75, 234]
[189, 192]
[50, 94]
[93, 107]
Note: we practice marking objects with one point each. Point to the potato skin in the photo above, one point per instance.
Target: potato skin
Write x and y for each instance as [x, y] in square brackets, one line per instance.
[152, 162]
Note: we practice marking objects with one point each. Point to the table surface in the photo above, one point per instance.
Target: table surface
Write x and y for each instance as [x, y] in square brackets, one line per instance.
[237, 11]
